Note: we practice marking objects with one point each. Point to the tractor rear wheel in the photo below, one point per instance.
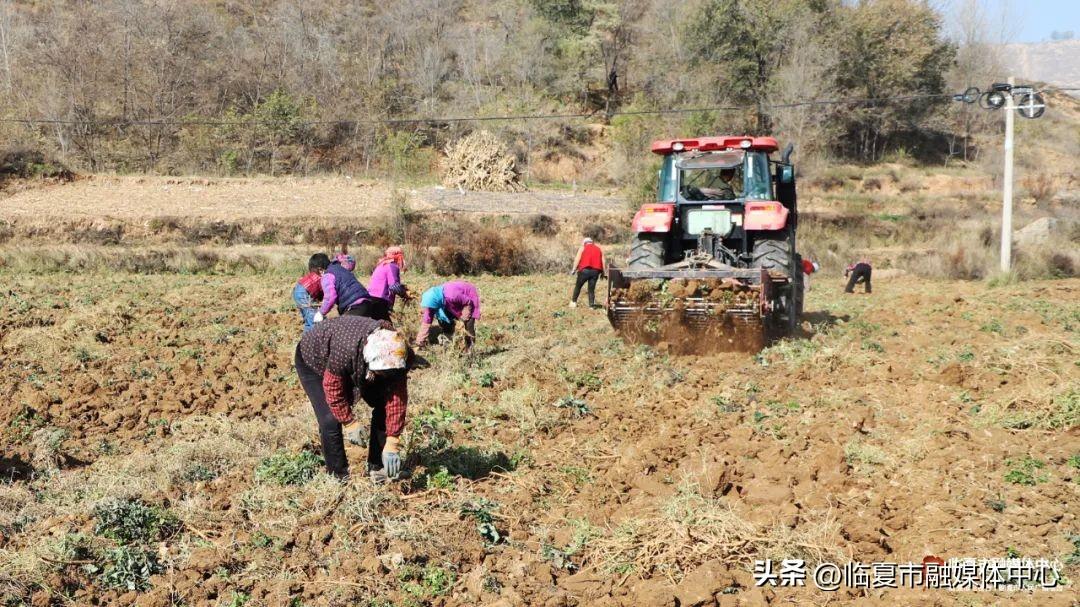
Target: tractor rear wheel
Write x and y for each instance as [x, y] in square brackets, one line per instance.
[777, 254]
[773, 254]
[647, 251]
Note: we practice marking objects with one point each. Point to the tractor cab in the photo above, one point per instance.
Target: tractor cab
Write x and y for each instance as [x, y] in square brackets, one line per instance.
[722, 187]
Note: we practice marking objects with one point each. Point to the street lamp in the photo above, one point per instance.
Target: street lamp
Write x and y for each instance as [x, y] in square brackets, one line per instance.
[1030, 104]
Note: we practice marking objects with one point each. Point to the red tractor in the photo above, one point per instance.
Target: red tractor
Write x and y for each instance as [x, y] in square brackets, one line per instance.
[713, 262]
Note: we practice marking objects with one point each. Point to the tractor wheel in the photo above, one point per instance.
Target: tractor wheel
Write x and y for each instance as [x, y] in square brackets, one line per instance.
[777, 255]
[773, 254]
[647, 251]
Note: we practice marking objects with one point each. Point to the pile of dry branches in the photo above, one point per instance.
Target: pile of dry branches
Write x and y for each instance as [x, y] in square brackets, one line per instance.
[480, 162]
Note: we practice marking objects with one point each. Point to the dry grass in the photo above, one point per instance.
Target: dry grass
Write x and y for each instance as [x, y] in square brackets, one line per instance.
[1041, 186]
[690, 529]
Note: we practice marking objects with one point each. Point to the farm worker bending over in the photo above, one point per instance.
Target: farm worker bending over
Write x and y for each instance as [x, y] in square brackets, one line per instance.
[308, 289]
[348, 356]
[589, 265]
[447, 303]
[339, 286]
[808, 268]
[860, 272]
[385, 284]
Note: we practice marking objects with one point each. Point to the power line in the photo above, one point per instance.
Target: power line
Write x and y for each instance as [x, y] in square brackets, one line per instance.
[504, 118]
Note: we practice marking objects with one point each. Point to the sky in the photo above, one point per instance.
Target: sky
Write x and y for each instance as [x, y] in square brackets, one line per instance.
[1035, 20]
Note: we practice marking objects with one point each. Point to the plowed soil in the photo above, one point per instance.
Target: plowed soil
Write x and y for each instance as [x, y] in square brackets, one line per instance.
[901, 424]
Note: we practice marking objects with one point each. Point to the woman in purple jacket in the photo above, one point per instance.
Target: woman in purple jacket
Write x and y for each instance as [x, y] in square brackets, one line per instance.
[339, 286]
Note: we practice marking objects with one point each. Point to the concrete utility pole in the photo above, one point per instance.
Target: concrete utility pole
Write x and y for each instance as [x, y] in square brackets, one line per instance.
[1007, 186]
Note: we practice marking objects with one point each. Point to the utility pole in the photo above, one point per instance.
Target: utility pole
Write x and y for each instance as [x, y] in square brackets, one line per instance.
[1007, 186]
[1030, 104]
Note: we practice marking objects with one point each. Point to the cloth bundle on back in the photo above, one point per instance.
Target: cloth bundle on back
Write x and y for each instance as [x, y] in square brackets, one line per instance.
[308, 289]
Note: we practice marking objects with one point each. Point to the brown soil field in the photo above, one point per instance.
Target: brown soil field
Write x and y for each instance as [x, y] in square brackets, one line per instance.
[555, 466]
[229, 199]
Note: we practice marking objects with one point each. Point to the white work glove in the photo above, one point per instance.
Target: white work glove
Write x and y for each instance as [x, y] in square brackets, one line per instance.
[318, 317]
[391, 459]
[354, 432]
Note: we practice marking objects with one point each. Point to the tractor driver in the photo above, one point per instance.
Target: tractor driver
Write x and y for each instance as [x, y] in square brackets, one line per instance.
[724, 190]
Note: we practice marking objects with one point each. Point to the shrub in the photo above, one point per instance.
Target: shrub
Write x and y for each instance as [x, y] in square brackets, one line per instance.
[605, 232]
[401, 225]
[1041, 186]
[27, 164]
[133, 521]
[910, 184]
[835, 178]
[401, 152]
[479, 249]
[284, 468]
[543, 225]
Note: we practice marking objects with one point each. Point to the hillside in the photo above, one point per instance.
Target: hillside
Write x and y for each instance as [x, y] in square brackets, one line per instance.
[1056, 63]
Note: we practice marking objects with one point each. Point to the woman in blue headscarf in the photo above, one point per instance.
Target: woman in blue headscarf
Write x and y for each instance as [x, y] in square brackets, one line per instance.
[447, 303]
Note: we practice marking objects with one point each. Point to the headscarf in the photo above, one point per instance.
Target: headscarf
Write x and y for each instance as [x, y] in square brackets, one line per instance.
[433, 298]
[393, 255]
[385, 349]
[346, 261]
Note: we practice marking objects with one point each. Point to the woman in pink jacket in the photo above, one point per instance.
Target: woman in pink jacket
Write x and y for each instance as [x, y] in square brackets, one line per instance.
[448, 303]
[385, 285]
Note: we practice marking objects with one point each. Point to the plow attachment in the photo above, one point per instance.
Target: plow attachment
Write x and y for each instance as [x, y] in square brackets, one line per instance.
[695, 310]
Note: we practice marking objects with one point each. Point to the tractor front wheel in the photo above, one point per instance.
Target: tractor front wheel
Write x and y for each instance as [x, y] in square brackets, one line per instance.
[647, 251]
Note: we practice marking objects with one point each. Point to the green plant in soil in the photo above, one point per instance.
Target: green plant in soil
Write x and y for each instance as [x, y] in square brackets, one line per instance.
[284, 468]
[481, 512]
[578, 407]
[1025, 471]
[422, 584]
[133, 521]
[439, 479]
[129, 568]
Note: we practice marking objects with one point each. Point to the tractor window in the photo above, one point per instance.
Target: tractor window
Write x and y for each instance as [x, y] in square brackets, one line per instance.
[668, 184]
[758, 180]
[715, 176]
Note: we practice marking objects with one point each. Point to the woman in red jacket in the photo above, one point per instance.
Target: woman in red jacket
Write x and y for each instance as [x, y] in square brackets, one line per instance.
[588, 265]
